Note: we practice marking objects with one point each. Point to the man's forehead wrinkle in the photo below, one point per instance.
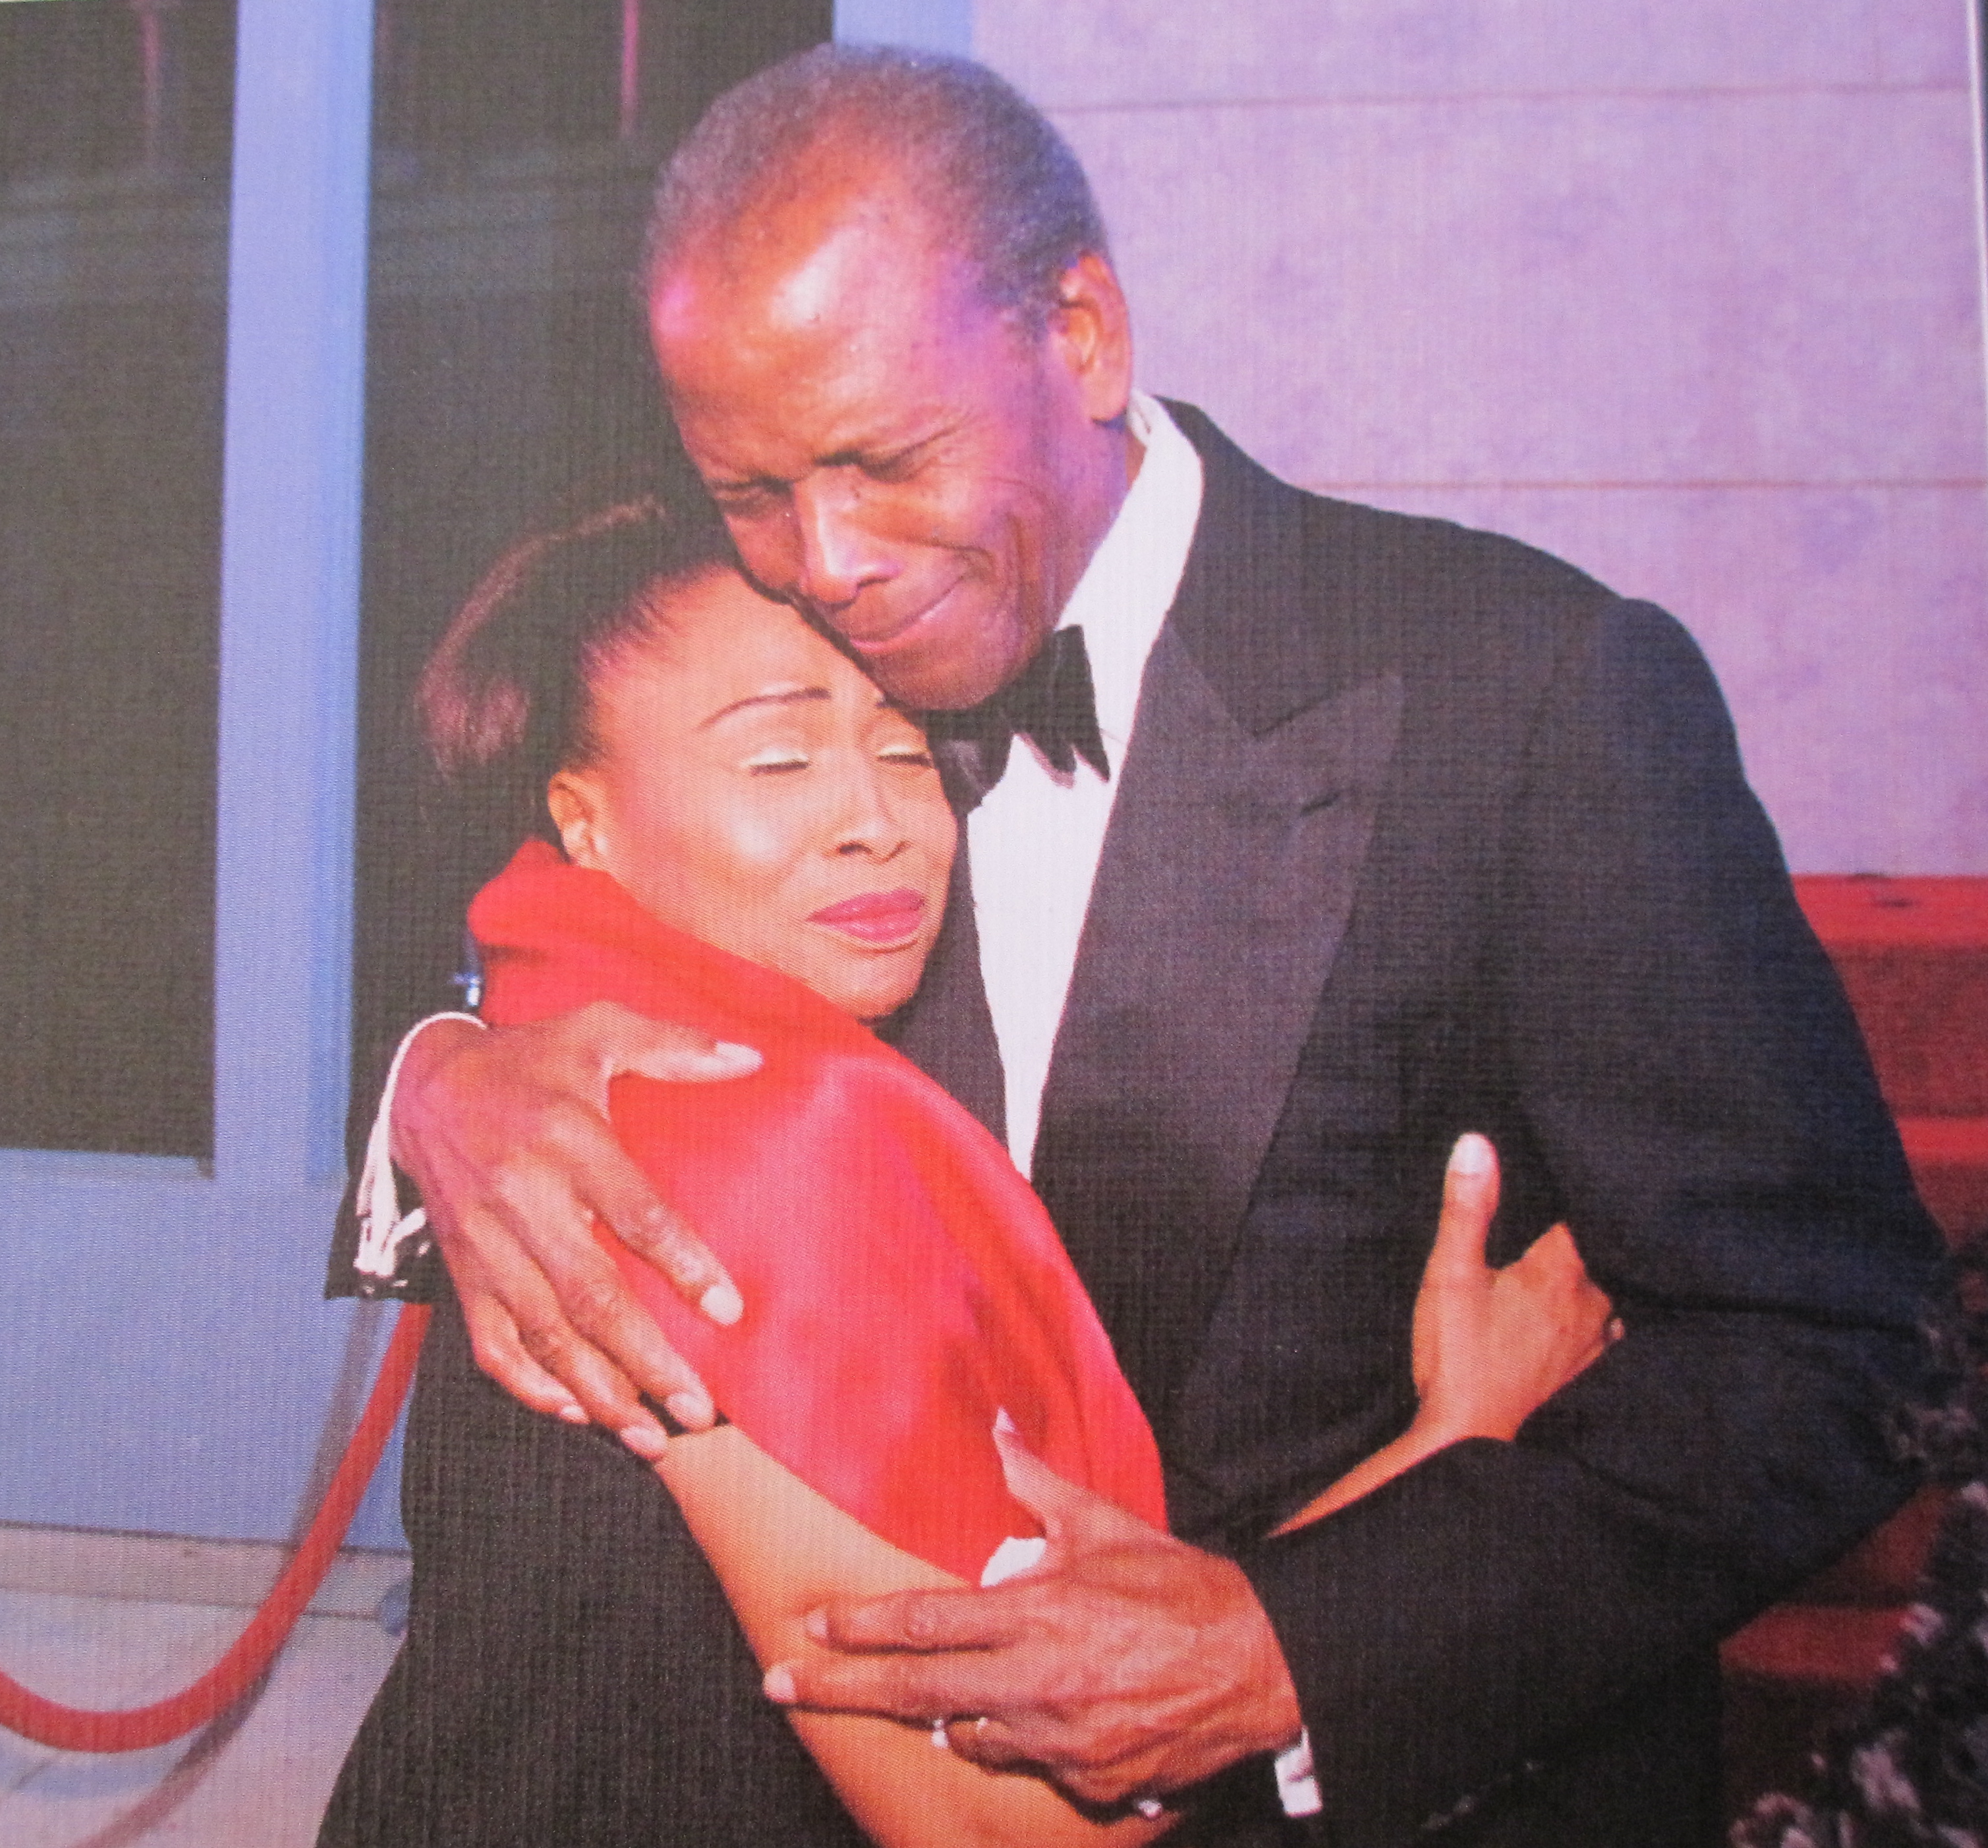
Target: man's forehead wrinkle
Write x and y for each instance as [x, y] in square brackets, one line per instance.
[802, 418]
[770, 397]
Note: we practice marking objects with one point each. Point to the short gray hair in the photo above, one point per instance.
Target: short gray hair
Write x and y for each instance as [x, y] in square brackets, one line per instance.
[983, 160]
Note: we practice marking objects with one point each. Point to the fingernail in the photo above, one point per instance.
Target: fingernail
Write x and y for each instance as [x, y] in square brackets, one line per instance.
[734, 1056]
[647, 1441]
[1472, 1155]
[692, 1410]
[574, 1413]
[778, 1685]
[816, 1625]
[723, 1304]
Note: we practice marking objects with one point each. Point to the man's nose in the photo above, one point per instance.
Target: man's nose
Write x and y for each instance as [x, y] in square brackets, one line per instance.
[837, 557]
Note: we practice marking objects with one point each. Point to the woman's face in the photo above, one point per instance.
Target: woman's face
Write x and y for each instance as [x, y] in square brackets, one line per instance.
[754, 790]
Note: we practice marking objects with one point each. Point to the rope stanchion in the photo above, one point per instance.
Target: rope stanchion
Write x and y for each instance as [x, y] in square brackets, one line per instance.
[131, 1729]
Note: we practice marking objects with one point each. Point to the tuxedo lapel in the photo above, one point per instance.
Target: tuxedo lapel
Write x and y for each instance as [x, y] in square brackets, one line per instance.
[1226, 881]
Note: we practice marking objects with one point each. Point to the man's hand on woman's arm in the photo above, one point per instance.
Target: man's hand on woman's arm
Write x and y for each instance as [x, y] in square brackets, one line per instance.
[1126, 1665]
[504, 1131]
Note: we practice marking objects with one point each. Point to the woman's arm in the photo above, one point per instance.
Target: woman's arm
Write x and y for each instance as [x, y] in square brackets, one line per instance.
[780, 1550]
[1491, 1347]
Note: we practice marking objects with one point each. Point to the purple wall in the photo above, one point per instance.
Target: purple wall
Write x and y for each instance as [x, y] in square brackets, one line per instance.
[1689, 293]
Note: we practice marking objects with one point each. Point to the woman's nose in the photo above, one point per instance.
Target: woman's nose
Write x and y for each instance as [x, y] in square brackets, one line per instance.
[869, 823]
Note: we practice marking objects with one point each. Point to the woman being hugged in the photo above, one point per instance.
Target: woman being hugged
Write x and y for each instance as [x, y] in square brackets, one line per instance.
[736, 831]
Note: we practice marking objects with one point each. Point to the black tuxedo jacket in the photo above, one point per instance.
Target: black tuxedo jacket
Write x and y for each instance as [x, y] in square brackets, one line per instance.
[1423, 831]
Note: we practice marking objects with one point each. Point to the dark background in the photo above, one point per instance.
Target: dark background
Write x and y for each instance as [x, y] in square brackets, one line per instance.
[508, 384]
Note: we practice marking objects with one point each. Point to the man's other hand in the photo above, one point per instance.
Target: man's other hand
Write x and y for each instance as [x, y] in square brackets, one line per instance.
[505, 1133]
[1126, 1665]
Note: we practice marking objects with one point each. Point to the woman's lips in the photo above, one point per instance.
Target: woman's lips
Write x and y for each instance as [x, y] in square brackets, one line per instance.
[878, 918]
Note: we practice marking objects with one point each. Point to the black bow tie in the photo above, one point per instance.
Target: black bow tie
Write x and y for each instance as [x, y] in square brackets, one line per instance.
[1050, 702]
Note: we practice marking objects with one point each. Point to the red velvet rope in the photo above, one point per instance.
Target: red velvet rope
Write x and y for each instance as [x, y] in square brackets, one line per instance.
[131, 1729]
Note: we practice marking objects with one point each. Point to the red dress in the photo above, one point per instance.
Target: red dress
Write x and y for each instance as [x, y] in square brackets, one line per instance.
[903, 1286]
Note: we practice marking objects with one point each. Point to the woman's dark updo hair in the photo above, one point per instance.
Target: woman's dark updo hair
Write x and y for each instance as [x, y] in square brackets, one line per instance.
[504, 700]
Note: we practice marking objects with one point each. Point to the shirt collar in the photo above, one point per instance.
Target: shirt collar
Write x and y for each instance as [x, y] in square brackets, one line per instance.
[1127, 589]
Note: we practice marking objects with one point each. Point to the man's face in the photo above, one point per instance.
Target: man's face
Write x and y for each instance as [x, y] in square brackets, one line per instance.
[891, 454]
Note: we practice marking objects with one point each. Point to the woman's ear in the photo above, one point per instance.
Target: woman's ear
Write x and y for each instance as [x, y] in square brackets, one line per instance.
[574, 801]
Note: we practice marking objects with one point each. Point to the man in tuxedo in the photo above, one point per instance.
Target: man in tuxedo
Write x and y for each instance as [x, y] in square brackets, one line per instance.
[1381, 831]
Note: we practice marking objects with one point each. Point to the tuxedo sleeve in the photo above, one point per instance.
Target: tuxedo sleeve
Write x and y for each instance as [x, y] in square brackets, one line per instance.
[412, 960]
[1686, 1064]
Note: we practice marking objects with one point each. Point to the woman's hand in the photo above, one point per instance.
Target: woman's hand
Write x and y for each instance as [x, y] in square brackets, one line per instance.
[1492, 1346]
[505, 1132]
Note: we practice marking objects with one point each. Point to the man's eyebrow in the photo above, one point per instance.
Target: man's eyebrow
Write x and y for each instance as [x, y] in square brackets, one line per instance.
[792, 696]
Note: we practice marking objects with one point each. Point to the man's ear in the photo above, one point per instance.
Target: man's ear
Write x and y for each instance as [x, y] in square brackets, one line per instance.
[573, 799]
[1091, 329]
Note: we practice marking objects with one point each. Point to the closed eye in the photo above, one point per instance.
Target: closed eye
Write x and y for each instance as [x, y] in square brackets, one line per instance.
[747, 499]
[911, 756]
[775, 760]
[898, 467]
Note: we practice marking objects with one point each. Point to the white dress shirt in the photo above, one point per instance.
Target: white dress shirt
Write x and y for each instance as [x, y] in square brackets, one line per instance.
[1033, 843]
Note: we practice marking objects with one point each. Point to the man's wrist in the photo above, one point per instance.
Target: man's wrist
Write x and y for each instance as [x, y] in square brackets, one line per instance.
[1282, 1734]
[387, 1237]
[425, 1045]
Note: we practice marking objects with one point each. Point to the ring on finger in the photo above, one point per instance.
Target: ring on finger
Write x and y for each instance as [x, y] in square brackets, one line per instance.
[941, 1728]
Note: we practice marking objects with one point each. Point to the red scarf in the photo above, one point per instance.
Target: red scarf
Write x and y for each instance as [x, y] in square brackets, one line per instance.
[902, 1283]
